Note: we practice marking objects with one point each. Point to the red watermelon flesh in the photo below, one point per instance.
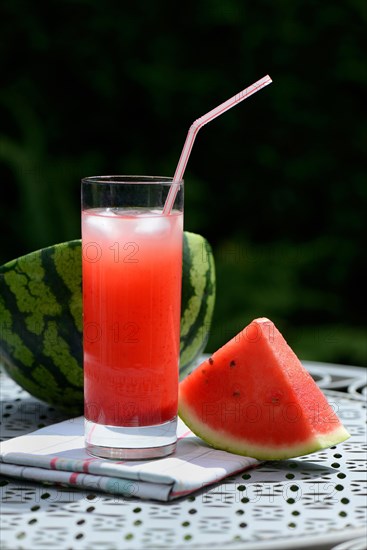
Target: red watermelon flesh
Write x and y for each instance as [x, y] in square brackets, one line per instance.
[253, 397]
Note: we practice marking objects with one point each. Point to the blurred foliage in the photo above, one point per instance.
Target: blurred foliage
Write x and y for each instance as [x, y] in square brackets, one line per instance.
[277, 185]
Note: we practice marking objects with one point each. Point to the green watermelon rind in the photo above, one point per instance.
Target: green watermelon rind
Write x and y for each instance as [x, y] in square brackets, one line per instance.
[198, 299]
[224, 442]
[43, 355]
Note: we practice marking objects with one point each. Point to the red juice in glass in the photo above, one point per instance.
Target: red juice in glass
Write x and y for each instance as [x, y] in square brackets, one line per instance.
[132, 270]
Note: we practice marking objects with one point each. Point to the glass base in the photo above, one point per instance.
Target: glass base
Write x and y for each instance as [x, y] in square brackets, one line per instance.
[130, 443]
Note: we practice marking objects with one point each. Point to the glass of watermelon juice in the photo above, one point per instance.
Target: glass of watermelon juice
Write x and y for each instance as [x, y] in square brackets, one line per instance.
[132, 270]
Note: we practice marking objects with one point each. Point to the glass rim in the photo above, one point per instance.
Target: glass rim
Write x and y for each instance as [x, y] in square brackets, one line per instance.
[131, 180]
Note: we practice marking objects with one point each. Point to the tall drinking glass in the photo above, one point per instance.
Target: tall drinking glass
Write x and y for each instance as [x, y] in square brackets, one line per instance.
[132, 270]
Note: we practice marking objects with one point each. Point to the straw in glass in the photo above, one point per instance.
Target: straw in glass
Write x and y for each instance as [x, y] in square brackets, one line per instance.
[195, 127]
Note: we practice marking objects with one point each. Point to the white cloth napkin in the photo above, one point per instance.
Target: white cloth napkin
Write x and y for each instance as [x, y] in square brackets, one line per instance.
[56, 454]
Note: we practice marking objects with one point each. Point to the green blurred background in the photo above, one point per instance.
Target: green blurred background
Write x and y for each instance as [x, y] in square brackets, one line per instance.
[277, 185]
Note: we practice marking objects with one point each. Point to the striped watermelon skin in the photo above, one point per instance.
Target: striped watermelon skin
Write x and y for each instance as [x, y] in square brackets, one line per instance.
[41, 324]
[198, 299]
[41, 318]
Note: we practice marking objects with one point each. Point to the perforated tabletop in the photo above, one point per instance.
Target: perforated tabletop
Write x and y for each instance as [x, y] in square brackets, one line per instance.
[316, 501]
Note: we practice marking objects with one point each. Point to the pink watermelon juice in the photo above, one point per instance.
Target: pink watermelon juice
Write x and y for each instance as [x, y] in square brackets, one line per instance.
[132, 269]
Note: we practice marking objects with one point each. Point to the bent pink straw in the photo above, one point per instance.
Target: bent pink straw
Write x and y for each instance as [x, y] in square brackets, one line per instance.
[195, 127]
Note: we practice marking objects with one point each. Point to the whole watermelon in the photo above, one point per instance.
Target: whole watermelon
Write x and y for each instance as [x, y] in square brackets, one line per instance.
[41, 318]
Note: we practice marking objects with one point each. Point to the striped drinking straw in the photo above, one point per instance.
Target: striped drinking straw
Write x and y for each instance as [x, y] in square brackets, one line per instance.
[195, 127]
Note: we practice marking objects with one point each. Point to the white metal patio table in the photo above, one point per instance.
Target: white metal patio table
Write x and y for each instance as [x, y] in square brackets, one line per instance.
[316, 501]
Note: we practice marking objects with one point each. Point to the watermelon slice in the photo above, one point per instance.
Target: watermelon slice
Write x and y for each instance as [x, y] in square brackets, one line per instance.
[253, 397]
